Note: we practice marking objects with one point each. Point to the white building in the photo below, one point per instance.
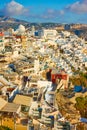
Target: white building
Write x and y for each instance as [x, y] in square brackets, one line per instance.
[1, 41]
[48, 33]
[36, 66]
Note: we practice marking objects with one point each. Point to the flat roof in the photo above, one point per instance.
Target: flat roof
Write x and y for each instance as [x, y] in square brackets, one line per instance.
[10, 107]
[23, 100]
[2, 103]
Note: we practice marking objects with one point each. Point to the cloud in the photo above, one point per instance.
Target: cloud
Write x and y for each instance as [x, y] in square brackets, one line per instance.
[52, 13]
[48, 14]
[78, 7]
[32, 13]
[16, 9]
[13, 9]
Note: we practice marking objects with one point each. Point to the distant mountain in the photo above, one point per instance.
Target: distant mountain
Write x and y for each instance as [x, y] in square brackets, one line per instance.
[8, 22]
[9, 19]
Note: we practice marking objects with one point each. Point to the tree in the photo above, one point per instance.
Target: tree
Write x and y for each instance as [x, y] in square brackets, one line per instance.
[81, 106]
[81, 79]
[5, 128]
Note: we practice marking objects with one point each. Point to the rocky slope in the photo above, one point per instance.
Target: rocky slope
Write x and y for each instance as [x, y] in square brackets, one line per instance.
[66, 105]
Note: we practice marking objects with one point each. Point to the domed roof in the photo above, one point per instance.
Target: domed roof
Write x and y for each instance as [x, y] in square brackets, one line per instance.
[21, 28]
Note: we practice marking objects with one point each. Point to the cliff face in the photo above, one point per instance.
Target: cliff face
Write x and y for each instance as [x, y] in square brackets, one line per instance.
[67, 107]
[82, 32]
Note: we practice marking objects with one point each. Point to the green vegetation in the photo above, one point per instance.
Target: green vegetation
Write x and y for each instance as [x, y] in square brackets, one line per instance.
[61, 51]
[81, 79]
[80, 126]
[81, 106]
[4, 128]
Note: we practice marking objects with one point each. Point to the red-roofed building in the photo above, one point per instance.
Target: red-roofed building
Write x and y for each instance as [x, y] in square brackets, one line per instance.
[1, 34]
[58, 75]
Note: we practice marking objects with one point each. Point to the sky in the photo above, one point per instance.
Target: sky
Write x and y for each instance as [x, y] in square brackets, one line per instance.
[58, 11]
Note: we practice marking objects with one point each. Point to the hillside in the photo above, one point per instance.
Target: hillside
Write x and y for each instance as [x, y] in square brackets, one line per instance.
[67, 107]
[82, 32]
[8, 22]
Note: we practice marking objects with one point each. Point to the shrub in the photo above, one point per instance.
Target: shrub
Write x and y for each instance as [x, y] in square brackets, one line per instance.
[5, 128]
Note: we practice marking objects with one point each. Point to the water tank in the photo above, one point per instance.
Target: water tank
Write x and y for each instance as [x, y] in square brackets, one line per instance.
[77, 88]
[40, 111]
[52, 121]
[31, 127]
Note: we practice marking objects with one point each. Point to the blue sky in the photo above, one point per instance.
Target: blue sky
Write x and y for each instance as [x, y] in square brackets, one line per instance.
[60, 11]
